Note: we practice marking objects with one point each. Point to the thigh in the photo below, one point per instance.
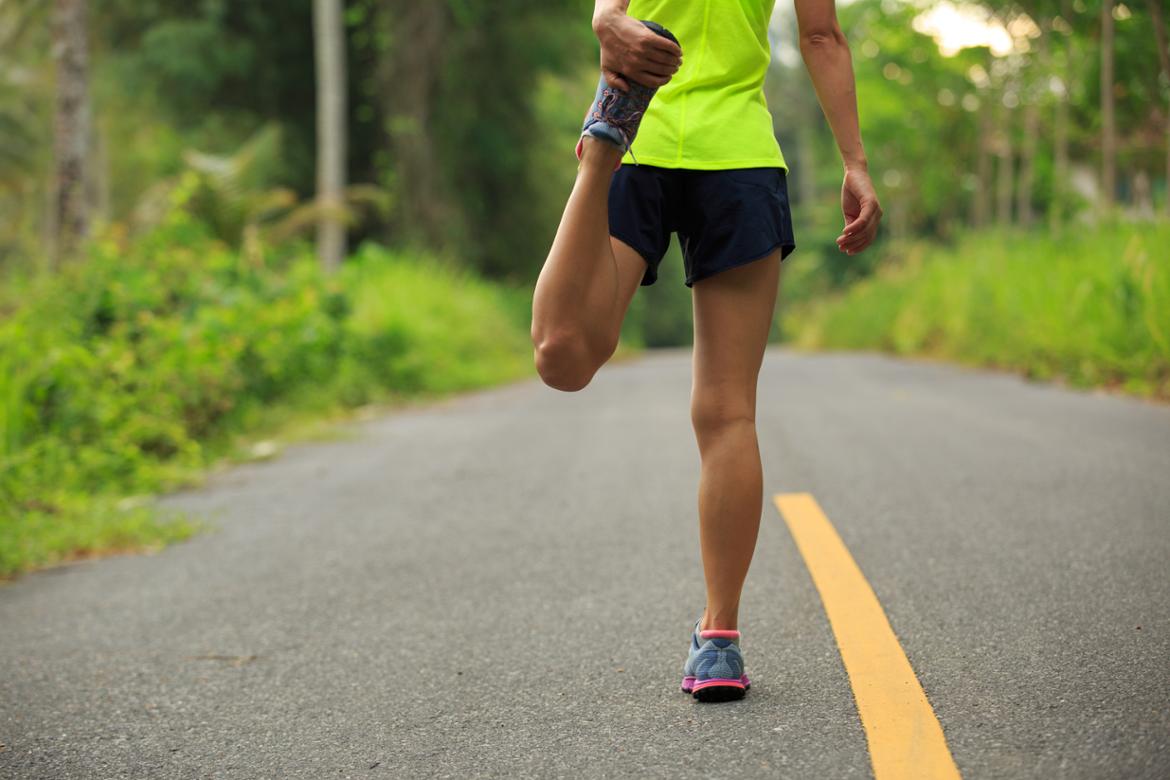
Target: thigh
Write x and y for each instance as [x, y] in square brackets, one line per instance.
[631, 270]
[642, 202]
[642, 205]
[733, 316]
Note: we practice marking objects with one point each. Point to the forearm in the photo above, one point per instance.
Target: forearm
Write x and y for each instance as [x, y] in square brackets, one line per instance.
[830, 66]
[603, 8]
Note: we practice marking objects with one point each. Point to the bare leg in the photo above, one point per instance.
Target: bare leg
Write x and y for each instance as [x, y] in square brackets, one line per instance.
[587, 281]
[733, 314]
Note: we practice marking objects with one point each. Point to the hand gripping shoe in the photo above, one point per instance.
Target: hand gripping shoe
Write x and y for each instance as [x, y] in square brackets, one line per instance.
[615, 115]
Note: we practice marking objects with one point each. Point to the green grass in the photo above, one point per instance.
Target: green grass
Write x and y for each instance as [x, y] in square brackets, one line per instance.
[1091, 307]
[132, 371]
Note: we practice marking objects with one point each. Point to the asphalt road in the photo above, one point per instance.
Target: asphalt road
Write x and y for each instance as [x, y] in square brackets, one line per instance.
[503, 585]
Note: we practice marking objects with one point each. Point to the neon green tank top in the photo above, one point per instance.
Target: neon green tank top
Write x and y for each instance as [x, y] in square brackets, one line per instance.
[712, 115]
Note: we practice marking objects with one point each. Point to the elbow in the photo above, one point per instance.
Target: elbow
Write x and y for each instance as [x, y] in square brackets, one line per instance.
[821, 39]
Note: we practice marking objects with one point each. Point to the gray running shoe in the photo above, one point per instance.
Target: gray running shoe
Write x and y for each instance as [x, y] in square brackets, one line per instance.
[616, 115]
[714, 668]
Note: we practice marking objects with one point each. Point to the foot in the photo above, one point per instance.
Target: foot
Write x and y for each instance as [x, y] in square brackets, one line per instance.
[615, 116]
[714, 667]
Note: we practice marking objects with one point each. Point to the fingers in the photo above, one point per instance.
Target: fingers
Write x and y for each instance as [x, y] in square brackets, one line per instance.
[666, 45]
[862, 231]
[649, 80]
[859, 205]
[615, 79]
[855, 241]
[652, 79]
[646, 63]
[658, 72]
[658, 58]
[864, 218]
[656, 50]
[650, 60]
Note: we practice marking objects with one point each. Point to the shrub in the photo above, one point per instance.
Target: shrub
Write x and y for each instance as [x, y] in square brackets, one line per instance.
[128, 372]
[1090, 307]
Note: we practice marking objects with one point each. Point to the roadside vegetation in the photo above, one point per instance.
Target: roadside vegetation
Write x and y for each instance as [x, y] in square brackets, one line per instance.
[130, 373]
[1091, 307]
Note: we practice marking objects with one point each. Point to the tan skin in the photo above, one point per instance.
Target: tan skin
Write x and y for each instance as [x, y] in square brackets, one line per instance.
[589, 279]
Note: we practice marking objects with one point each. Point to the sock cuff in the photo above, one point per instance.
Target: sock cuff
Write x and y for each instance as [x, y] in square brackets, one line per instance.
[716, 633]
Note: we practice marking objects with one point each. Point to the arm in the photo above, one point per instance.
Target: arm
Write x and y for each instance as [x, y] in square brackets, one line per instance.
[630, 50]
[830, 65]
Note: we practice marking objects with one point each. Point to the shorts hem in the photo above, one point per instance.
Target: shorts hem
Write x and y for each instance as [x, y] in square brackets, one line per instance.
[786, 247]
[651, 274]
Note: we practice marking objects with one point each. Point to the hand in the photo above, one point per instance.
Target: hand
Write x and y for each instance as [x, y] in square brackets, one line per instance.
[629, 49]
[859, 204]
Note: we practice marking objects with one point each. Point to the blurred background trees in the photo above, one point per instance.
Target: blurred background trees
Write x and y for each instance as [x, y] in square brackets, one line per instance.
[441, 107]
[460, 113]
[459, 116]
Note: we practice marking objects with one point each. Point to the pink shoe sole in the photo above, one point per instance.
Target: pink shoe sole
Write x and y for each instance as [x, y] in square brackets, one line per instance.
[716, 689]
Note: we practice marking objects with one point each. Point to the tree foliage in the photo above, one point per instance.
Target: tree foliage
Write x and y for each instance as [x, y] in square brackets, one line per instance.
[464, 112]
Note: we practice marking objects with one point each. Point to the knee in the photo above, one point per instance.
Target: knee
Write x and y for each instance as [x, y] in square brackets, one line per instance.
[714, 419]
[564, 361]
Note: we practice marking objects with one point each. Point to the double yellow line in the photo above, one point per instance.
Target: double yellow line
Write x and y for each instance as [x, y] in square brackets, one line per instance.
[904, 736]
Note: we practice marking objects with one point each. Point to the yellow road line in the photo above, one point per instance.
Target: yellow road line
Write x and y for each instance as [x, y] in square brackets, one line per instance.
[905, 738]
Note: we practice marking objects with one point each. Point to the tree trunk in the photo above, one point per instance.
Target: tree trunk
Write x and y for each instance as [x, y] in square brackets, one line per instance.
[1143, 197]
[71, 127]
[1027, 164]
[806, 154]
[1032, 131]
[329, 36]
[981, 203]
[807, 162]
[1003, 195]
[1004, 172]
[1060, 155]
[1164, 58]
[408, 78]
[1060, 123]
[1108, 123]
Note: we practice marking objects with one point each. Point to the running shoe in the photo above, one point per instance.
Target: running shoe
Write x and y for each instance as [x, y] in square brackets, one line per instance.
[616, 115]
[714, 668]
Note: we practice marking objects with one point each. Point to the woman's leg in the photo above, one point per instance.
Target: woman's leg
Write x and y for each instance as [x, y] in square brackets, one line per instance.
[587, 281]
[733, 314]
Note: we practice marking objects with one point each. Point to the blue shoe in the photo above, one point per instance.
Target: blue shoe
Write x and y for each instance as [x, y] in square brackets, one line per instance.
[714, 667]
[615, 115]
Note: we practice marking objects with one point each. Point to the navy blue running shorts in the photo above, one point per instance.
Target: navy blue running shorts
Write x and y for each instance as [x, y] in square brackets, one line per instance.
[723, 218]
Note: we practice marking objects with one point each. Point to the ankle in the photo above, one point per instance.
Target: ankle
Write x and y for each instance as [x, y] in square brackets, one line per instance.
[598, 154]
[719, 621]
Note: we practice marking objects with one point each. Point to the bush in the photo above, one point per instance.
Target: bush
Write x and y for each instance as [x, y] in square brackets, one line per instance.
[129, 372]
[1089, 307]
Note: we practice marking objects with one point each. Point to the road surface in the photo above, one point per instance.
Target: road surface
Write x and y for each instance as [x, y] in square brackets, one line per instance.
[503, 584]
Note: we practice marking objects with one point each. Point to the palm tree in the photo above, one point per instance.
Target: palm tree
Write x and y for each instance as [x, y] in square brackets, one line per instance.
[1164, 60]
[72, 125]
[18, 117]
[1108, 123]
[329, 33]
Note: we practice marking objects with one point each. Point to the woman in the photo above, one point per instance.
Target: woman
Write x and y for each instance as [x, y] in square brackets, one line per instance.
[705, 165]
